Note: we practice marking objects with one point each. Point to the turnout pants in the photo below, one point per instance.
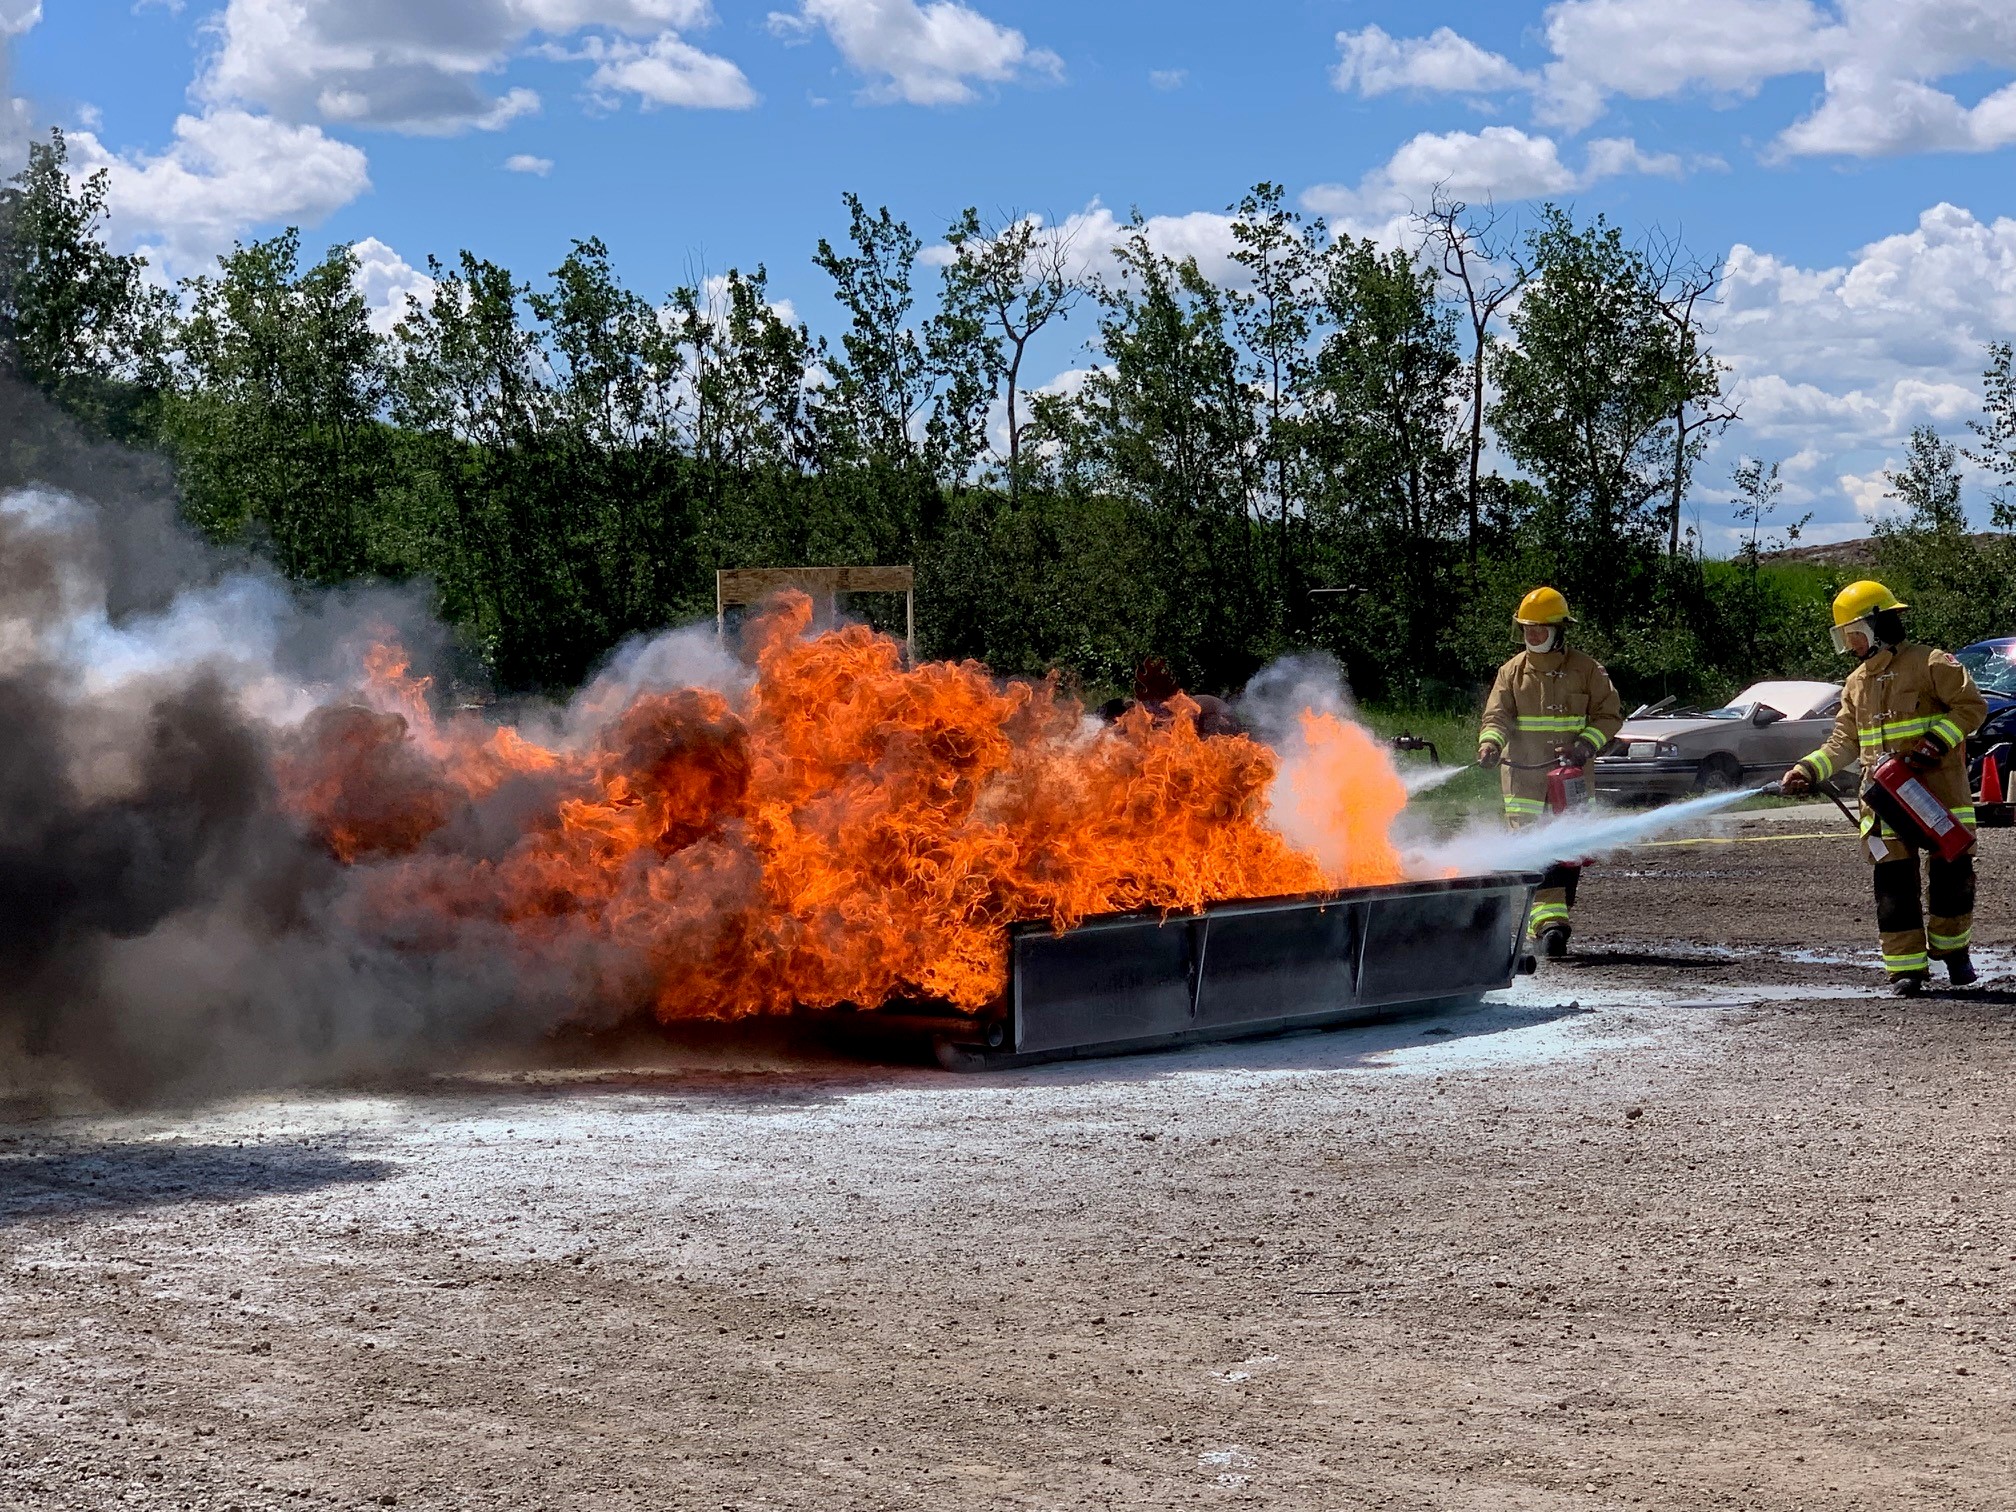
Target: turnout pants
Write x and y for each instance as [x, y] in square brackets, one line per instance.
[1910, 938]
[1556, 893]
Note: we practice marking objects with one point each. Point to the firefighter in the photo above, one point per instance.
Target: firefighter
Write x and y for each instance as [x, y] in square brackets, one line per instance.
[1550, 703]
[1919, 704]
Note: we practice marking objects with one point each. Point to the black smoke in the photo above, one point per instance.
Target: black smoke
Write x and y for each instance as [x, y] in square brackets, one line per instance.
[166, 929]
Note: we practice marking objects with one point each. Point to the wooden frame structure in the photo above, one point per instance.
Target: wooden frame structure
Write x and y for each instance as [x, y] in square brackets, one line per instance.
[751, 585]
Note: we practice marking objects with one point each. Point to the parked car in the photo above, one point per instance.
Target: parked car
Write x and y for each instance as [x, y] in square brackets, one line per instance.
[1993, 663]
[1663, 752]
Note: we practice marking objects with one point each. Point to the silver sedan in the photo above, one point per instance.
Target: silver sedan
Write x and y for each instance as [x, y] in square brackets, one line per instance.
[1663, 752]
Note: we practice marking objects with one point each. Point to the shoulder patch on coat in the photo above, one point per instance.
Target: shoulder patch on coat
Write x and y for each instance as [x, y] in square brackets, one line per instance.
[1944, 658]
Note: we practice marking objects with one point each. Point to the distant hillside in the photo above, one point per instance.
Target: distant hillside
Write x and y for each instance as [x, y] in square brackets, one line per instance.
[1860, 552]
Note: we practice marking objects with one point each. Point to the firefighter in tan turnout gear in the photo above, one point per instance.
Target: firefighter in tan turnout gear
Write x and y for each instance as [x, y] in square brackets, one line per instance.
[1919, 704]
[1549, 702]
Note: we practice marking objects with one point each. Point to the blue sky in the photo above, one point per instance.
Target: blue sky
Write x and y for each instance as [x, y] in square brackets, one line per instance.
[1850, 158]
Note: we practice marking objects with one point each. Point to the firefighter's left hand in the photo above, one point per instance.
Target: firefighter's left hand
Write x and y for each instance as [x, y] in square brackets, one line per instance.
[1924, 756]
[1576, 753]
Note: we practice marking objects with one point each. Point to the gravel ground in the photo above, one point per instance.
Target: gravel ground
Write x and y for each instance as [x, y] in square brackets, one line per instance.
[1690, 1220]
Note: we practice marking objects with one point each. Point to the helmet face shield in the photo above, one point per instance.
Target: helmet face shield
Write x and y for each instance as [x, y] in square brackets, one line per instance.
[1853, 627]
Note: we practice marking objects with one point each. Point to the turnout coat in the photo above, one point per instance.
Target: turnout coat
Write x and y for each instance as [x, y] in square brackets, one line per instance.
[1898, 697]
[1543, 700]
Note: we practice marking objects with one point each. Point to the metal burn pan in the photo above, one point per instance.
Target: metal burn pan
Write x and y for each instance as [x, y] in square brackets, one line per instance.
[1126, 982]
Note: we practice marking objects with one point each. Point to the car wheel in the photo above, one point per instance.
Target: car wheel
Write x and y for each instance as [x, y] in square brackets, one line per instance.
[1718, 773]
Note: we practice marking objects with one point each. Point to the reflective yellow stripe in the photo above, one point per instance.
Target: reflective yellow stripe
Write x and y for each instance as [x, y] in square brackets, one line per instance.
[1523, 805]
[1819, 764]
[1948, 731]
[1958, 941]
[1492, 737]
[1900, 963]
[1549, 724]
[1544, 914]
[1594, 736]
[1902, 729]
[1965, 816]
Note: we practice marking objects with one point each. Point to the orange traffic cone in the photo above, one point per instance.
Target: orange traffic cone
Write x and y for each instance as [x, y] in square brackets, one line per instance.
[1991, 780]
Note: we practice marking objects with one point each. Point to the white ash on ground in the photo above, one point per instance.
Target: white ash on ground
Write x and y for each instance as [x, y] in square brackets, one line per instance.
[1691, 1220]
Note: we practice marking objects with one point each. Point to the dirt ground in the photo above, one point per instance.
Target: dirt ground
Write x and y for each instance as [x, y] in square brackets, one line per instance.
[1693, 1220]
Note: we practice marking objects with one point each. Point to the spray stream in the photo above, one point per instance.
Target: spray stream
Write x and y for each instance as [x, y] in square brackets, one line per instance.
[1568, 837]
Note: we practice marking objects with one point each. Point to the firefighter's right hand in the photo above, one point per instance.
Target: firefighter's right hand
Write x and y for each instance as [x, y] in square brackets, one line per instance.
[1796, 780]
[1488, 754]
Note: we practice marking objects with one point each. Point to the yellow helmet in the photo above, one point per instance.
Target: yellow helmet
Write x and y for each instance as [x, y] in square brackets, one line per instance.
[1860, 600]
[1852, 607]
[1543, 606]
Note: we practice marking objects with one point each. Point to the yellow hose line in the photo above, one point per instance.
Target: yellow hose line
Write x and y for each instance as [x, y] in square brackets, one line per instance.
[1753, 839]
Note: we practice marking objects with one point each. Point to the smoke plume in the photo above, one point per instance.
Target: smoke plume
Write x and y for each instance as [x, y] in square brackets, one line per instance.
[168, 929]
[244, 838]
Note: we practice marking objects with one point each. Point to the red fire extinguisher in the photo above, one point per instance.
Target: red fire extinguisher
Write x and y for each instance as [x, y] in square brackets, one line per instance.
[1567, 786]
[1904, 803]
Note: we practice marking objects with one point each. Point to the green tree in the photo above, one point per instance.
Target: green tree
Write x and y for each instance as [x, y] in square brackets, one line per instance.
[1017, 279]
[273, 418]
[1276, 317]
[1995, 451]
[77, 321]
[618, 473]
[1477, 260]
[1169, 425]
[1585, 400]
[1955, 587]
[878, 387]
[472, 386]
[1758, 492]
[1384, 405]
[751, 435]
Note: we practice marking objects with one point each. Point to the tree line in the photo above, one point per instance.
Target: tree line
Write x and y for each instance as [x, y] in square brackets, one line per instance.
[1366, 450]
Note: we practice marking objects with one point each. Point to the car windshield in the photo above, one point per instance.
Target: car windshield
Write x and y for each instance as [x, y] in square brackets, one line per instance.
[1993, 668]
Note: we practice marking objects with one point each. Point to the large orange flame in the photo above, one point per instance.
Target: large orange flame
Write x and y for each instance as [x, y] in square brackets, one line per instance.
[850, 830]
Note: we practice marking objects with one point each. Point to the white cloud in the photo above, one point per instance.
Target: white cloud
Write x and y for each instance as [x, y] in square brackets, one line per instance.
[1445, 62]
[525, 162]
[427, 68]
[1654, 49]
[1499, 163]
[17, 16]
[1869, 114]
[387, 279]
[1205, 235]
[1880, 61]
[1839, 364]
[920, 54]
[226, 172]
[669, 71]
[1169, 78]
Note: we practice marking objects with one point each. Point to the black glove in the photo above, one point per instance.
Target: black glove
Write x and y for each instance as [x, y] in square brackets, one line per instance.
[1577, 753]
[1925, 755]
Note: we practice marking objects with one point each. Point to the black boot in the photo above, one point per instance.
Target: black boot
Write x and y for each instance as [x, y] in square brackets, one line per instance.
[1907, 983]
[1960, 969]
[1554, 940]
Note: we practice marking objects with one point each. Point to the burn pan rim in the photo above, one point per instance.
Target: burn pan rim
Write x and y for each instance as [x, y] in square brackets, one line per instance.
[1479, 882]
